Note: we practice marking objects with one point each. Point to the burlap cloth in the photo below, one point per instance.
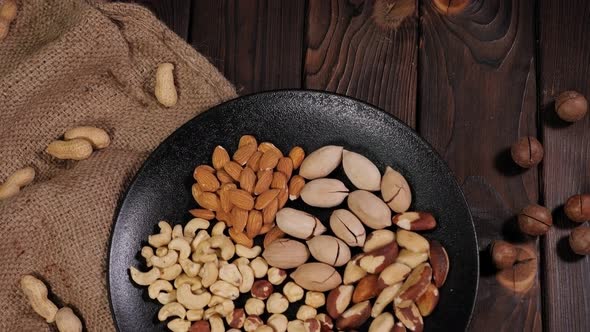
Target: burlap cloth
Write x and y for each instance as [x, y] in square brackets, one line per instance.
[67, 63]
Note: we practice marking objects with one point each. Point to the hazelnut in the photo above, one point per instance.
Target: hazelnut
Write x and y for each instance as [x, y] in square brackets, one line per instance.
[252, 323]
[276, 276]
[503, 254]
[277, 304]
[259, 266]
[236, 319]
[535, 220]
[571, 106]
[577, 208]
[200, 326]
[261, 289]
[254, 306]
[315, 299]
[293, 292]
[527, 152]
[278, 322]
[306, 312]
[580, 240]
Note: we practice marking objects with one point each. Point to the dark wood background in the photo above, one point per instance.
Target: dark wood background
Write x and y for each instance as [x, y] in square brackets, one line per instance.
[470, 75]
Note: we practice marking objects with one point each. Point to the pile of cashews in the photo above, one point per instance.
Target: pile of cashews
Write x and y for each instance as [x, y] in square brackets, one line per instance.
[36, 292]
[191, 274]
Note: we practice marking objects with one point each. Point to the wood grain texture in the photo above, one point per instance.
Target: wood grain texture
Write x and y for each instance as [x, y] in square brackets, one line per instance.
[347, 52]
[174, 13]
[478, 95]
[564, 54]
[256, 44]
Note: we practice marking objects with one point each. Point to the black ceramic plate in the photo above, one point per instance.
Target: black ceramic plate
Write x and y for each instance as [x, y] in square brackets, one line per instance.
[161, 189]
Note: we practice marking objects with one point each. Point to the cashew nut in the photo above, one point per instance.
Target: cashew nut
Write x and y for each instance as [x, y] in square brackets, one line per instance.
[185, 296]
[36, 292]
[194, 314]
[200, 237]
[67, 321]
[231, 274]
[225, 308]
[203, 248]
[182, 246]
[241, 260]
[179, 325]
[194, 225]
[215, 300]
[147, 252]
[259, 266]
[247, 278]
[96, 136]
[162, 251]
[206, 258]
[189, 267]
[16, 181]
[76, 149]
[144, 278]
[225, 289]
[172, 309]
[168, 260]
[228, 250]
[218, 229]
[165, 298]
[208, 274]
[163, 238]
[177, 232]
[194, 282]
[158, 286]
[246, 252]
[209, 313]
[216, 324]
[165, 91]
[171, 272]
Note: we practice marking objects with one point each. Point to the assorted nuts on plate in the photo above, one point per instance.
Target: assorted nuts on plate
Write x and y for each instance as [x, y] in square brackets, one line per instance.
[262, 266]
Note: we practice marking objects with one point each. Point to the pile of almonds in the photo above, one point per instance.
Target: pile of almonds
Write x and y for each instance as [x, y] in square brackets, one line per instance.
[343, 276]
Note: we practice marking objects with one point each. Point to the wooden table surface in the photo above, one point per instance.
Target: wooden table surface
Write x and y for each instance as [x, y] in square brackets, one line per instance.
[470, 76]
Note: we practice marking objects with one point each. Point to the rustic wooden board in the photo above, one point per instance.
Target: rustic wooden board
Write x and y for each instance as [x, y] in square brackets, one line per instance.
[256, 44]
[564, 65]
[176, 14]
[349, 53]
[478, 95]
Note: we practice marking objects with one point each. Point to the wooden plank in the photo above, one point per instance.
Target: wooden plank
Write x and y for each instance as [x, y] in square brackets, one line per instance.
[477, 96]
[564, 54]
[176, 14]
[353, 48]
[256, 44]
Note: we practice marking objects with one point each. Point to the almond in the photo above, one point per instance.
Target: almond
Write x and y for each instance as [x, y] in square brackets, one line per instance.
[321, 162]
[338, 300]
[266, 228]
[220, 157]
[206, 179]
[264, 181]
[318, 277]
[370, 209]
[396, 191]
[233, 169]
[415, 221]
[275, 233]
[254, 161]
[285, 166]
[247, 139]
[254, 223]
[270, 211]
[361, 171]
[414, 286]
[265, 198]
[328, 249]
[366, 289]
[439, 260]
[348, 228]
[324, 193]
[354, 317]
[208, 201]
[205, 168]
[269, 160]
[243, 153]
[196, 191]
[224, 216]
[241, 199]
[410, 317]
[202, 213]
[285, 253]
[267, 146]
[295, 186]
[428, 301]
[248, 180]
[226, 204]
[283, 197]
[240, 238]
[279, 180]
[224, 177]
[239, 218]
[297, 155]
[299, 224]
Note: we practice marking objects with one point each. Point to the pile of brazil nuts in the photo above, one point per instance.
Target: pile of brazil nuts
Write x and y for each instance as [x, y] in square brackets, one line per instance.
[359, 273]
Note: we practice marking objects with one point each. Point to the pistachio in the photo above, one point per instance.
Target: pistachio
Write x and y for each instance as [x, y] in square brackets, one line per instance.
[324, 193]
[317, 277]
[370, 209]
[321, 162]
[329, 250]
[396, 191]
[361, 171]
[286, 253]
[348, 228]
[299, 224]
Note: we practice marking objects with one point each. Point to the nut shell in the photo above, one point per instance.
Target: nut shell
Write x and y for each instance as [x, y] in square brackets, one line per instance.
[324, 193]
[571, 106]
[396, 191]
[361, 171]
[580, 240]
[321, 162]
[286, 253]
[317, 277]
[577, 208]
[370, 209]
[348, 228]
[527, 152]
[328, 249]
[535, 220]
